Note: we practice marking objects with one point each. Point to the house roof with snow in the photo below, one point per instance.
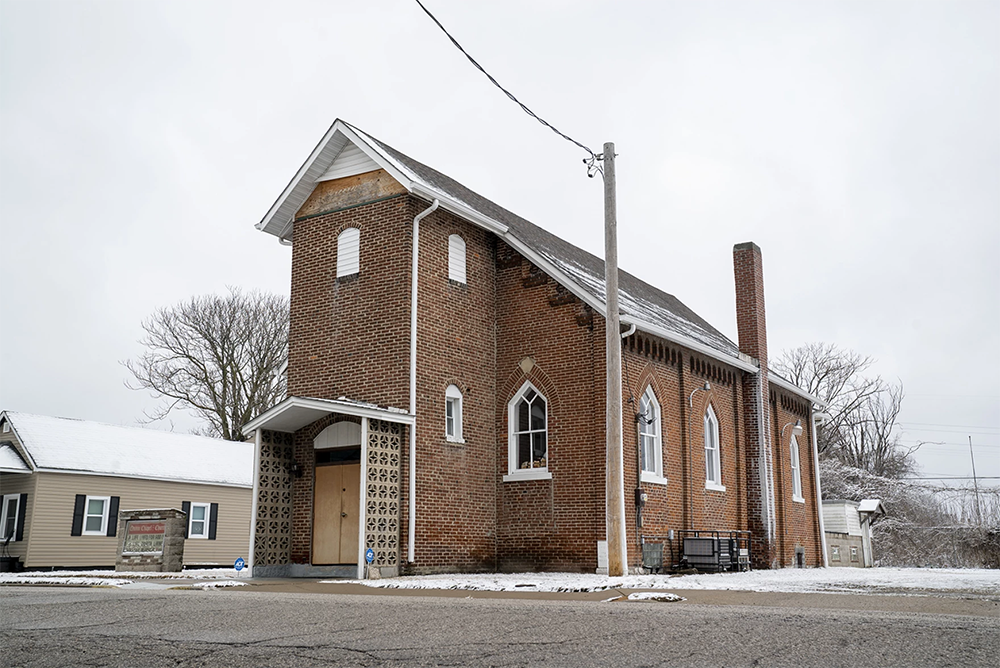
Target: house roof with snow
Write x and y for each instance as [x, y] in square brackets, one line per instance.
[345, 151]
[64, 445]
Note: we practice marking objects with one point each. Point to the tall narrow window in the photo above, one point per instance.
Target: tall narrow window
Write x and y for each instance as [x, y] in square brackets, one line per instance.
[528, 423]
[348, 252]
[650, 442]
[713, 459]
[453, 414]
[796, 473]
[456, 258]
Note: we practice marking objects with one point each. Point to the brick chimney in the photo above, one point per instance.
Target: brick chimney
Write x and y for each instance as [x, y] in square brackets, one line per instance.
[751, 327]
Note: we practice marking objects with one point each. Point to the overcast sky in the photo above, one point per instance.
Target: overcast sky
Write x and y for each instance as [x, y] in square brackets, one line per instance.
[857, 143]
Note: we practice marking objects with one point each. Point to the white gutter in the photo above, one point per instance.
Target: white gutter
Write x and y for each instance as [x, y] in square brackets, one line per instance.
[253, 505]
[819, 488]
[690, 343]
[449, 204]
[412, 535]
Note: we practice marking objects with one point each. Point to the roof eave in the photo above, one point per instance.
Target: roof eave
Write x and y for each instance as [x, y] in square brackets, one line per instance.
[271, 418]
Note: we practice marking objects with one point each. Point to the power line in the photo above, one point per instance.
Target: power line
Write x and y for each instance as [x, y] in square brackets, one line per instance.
[948, 477]
[506, 92]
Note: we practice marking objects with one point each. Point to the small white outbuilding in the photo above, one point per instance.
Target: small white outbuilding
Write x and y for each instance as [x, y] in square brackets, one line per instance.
[848, 531]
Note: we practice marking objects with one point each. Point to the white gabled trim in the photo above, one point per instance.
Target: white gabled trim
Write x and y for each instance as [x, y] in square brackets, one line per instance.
[20, 446]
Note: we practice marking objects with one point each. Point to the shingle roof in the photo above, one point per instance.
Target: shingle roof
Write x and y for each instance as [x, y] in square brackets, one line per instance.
[637, 298]
[10, 459]
[78, 446]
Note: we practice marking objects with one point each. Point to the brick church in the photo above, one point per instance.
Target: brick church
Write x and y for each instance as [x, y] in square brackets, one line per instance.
[446, 394]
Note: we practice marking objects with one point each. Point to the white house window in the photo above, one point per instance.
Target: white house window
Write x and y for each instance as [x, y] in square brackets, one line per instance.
[527, 419]
[198, 520]
[650, 441]
[348, 252]
[456, 258]
[95, 517]
[796, 473]
[713, 460]
[453, 414]
[8, 519]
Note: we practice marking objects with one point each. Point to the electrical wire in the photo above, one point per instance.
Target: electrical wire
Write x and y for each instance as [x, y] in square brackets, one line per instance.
[593, 156]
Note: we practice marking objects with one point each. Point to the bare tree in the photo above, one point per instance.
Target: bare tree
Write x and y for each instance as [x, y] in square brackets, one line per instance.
[863, 408]
[218, 357]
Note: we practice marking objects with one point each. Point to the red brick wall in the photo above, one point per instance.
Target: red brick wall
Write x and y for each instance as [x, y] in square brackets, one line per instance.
[797, 522]
[550, 524]
[351, 336]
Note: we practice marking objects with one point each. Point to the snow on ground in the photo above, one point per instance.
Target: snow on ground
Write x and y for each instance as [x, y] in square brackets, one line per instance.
[111, 578]
[219, 584]
[924, 581]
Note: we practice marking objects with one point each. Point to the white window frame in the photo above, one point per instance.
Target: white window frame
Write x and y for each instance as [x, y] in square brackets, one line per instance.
[104, 516]
[514, 473]
[650, 433]
[205, 521]
[793, 449]
[453, 414]
[456, 259]
[713, 454]
[4, 516]
[349, 252]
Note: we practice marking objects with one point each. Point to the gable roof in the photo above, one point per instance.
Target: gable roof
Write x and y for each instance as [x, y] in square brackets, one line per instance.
[641, 304]
[64, 445]
[11, 460]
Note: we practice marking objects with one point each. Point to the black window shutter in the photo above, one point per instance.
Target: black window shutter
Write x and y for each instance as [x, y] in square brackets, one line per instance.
[22, 509]
[113, 516]
[213, 520]
[186, 507]
[81, 501]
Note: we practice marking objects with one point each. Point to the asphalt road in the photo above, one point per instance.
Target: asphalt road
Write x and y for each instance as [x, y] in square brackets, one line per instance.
[57, 627]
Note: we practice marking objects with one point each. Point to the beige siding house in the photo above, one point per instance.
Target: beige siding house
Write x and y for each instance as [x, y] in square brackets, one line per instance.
[64, 481]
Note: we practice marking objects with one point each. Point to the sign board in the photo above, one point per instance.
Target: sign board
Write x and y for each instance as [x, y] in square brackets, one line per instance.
[369, 555]
[144, 537]
[239, 565]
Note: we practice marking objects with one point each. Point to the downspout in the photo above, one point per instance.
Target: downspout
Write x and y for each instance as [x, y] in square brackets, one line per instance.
[767, 505]
[823, 417]
[412, 534]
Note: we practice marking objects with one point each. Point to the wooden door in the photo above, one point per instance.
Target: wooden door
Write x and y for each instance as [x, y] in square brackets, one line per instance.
[336, 506]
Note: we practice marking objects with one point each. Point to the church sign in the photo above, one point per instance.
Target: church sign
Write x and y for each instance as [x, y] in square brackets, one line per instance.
[144, 537]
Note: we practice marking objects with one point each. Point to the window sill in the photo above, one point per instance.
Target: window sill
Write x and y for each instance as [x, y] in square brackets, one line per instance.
[528, 474]
[197, 537]
[653, 478]
[454, 441]
[798, 499]
[715, 487]
[95, 533]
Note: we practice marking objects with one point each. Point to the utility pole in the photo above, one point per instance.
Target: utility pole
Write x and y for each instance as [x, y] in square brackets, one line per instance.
[975, 484]
[615, 490]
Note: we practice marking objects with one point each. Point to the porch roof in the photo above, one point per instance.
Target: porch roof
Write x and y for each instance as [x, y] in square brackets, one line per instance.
[296, 412]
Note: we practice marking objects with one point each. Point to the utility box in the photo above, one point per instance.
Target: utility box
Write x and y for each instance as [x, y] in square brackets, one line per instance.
[151, 540]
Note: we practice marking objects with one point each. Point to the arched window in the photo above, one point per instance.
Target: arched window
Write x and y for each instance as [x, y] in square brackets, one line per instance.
[453, 414]
[456, 258]
[348, 252]
[527, 419]
[796, 472]
[713, 458]
[650, 440]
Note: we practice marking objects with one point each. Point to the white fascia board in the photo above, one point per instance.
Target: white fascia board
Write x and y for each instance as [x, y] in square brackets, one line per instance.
[263, 224]
[4, 469]
[133, 476]
[376, 155]
[784, 384]
[328, 406]
[558, 275]
[690, 343]
[456, 207]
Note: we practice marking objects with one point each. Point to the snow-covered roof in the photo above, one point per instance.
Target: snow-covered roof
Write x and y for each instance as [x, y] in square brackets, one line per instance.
[870, 506]
[649, 308]
[296, 412]
[77, 446]
[10, 460]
